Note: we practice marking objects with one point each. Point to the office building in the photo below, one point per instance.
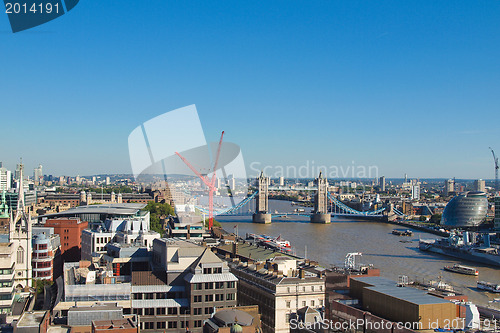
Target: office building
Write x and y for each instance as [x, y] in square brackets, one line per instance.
[38, 175]
[5, 179]
[384, 298]
[449, 187]
[46, 257]
[70, 236]
[123, 231]
[479, 185]
[282, 181]
[174, 289]
[97, 214]
[187, 224]
[382, 183]
[279, 288]
[415, 192]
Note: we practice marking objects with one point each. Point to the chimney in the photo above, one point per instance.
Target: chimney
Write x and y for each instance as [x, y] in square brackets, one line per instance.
[302, 274]
[235, 248]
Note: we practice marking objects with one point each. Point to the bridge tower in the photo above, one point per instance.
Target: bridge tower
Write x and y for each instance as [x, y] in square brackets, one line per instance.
[262, 214]
[320, 213]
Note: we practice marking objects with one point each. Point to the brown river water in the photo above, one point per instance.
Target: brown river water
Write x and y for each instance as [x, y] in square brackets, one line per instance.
[329, 244]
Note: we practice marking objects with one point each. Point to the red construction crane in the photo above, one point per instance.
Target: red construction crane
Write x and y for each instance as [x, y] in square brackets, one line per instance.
[210, 183]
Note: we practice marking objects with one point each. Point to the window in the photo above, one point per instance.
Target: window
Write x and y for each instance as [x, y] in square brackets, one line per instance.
[321, 288]
[207, 271]
[197, 323]
[219, 285]
[288, 289]
[287, 317]
[20, 255]
[160, 324]
[208, 310]
[312, 302]
[320, 302]
[304, 303]
[217, 270]
[197, 299]
[198, 286]
[137, 296]
[148, 296]
[230, 297]
[149, 325]
[219, 297]
[160, 311]
[312, 288]
[230, 284]
[197, 311]
[209, 285]
[209, 298]
[172, 311]
[303, 288]
[172, 324]
[287, 304]
[149, 312]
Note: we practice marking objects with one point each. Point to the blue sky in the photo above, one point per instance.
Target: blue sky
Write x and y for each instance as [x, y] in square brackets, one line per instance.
[409, 86]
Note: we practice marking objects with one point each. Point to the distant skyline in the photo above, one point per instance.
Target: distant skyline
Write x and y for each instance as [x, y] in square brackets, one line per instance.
[410, 87]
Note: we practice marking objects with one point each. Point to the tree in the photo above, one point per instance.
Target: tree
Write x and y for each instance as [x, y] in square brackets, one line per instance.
[436, 218]
[157, 211]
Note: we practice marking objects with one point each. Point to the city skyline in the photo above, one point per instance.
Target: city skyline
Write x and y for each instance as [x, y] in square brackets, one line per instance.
[410, 88]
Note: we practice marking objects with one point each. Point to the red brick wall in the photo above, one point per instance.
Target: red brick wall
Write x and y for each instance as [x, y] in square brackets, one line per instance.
[70, 232]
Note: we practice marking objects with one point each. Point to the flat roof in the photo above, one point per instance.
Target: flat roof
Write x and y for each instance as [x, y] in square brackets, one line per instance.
[31, 319]
[389, 287]
[111, 209]
[97, 307]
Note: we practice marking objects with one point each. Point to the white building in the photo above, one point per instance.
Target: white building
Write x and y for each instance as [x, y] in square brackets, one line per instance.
[449, 187]
[5, 179]
[415, 192]
[15, 251]
[280, 288]
[38, 174]
[479, 185]
[124, 231]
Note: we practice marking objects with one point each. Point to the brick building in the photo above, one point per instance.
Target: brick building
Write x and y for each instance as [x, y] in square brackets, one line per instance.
[70, 233]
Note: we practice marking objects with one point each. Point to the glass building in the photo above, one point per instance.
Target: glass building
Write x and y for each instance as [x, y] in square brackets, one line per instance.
[465, 210]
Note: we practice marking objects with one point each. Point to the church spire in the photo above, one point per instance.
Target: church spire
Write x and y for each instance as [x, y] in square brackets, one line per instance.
[20, 211]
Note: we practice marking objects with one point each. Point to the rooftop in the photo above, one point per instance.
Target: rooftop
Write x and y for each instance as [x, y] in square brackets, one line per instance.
[389, 287]
[111, 209]
[31, 319]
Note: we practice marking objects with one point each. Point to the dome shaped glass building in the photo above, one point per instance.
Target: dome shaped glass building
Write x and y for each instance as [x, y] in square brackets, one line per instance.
[465, 210]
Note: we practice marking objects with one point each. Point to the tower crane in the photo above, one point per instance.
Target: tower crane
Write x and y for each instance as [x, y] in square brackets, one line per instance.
[495, 159]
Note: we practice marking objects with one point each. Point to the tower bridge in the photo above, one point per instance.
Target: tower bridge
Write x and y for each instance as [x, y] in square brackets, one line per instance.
[320, 213]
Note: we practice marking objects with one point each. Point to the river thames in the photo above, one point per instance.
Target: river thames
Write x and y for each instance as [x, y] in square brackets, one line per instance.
[394, 255]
